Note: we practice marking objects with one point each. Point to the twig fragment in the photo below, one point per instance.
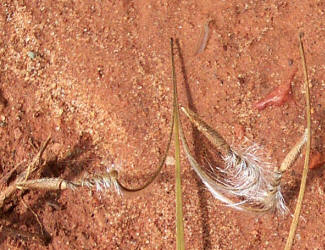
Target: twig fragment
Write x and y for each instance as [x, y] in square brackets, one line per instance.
[5, 179]
[36, 216]
[9, 191]
[37, 160]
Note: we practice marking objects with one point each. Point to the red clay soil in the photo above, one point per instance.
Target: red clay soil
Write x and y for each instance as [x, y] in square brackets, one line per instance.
[96, 76]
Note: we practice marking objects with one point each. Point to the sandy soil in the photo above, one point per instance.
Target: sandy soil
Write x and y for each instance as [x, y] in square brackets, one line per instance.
[96, 76]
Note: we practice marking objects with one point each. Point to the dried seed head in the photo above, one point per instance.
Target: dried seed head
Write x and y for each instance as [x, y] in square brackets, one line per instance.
[248, 178]
[103, 182]
[248, 181]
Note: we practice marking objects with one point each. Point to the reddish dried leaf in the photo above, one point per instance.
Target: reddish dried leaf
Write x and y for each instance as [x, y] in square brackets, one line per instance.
[316, 160]
[278, 96]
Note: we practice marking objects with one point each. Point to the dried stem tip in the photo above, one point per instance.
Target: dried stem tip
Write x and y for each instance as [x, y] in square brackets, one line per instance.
[213, 136]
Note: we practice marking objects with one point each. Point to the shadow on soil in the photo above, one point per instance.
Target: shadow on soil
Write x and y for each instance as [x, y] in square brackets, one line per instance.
[198, 152]
[68, 168]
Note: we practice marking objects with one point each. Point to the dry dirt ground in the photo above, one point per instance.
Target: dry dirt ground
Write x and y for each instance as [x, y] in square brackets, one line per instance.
[96, 76]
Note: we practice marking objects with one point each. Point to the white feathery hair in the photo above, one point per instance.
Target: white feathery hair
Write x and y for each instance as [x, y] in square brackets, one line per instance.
[248, 181]
[103, 182]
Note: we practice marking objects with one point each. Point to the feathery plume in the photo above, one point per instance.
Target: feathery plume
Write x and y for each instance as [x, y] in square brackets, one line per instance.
[248, 181]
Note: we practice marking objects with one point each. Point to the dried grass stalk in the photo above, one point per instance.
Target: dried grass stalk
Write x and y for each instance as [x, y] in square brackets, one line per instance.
[295, 220]
[105, 181]
[179, 203]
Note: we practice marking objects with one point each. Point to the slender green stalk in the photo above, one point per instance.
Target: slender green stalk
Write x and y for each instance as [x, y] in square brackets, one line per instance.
[179, 206]
[295, 220]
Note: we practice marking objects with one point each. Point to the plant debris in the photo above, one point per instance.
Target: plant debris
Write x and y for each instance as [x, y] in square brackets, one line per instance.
[247, 182]
[203, 39]
[316, 160]
[278, 96]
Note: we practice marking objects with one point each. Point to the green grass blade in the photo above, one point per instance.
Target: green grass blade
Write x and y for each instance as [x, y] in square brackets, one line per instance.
[179, 204]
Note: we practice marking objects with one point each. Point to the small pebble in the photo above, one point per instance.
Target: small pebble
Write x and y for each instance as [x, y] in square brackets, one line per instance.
[17, 133]
[31, 54]
[170, 161]
[239, 131]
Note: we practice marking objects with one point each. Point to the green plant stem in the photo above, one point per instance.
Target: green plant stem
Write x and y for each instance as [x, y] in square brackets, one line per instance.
[295, 220]
[179, 206]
